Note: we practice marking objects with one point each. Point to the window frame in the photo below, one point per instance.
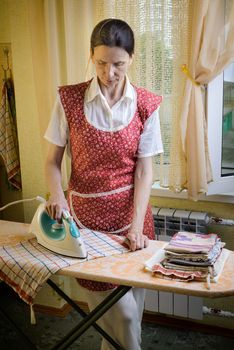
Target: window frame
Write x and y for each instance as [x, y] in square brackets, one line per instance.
[157, 191]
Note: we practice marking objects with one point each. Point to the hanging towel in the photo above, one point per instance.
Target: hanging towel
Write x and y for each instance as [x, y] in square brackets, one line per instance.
[27, 265]
[9, 150]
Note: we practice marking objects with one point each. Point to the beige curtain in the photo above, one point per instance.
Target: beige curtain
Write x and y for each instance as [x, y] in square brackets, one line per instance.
[60, 32]
[212, 50]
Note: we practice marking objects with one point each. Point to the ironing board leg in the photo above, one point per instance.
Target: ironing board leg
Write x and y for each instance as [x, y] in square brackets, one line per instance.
[89, 319]
[81, 312]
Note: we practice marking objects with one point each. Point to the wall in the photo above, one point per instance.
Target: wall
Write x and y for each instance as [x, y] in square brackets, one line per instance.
[7, 194]
[15, 28]
[31, 152]
[4, 21]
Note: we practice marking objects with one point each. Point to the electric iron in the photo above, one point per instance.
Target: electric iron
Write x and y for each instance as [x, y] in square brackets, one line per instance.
[61, 238]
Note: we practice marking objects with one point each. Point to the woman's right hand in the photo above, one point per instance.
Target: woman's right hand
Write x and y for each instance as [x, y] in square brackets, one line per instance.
[55, 206]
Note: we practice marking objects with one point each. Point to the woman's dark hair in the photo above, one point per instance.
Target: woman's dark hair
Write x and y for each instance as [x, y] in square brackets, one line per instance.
[113, 32]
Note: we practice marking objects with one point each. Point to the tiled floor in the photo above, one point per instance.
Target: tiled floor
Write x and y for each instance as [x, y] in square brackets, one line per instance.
[49, 329]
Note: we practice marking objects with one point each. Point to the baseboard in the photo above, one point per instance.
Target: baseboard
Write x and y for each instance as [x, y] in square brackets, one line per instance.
[178, 323]
[148, 317]
[59, 312]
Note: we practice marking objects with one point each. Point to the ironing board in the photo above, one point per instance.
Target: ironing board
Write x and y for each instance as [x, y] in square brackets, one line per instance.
[126, 270]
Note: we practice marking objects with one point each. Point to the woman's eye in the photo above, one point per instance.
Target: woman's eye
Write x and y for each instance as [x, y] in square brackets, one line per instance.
[119, 64]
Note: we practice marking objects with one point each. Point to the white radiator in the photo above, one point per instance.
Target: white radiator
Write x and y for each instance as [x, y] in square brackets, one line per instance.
[167, 222]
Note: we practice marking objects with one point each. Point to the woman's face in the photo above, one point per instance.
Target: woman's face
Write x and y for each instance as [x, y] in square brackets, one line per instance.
[111, 64]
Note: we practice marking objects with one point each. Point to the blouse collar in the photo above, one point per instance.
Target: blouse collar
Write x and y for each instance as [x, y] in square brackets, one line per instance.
[94, 90]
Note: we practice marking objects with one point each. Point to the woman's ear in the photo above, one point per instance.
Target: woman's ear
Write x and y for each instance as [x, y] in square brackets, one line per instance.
[131, 59]
[87, 66]
[91, 56]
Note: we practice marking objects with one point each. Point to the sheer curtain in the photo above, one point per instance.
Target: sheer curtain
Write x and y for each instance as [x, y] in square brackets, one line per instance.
[162, 31]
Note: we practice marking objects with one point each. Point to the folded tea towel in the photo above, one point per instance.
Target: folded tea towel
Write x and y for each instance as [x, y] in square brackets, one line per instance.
[27, 265]
[189, 242]
[195, 259]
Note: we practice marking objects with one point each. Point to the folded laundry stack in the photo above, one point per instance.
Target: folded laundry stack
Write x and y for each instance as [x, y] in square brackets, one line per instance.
[189, 256]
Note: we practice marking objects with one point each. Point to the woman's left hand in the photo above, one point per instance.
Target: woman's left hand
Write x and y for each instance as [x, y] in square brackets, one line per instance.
[137, 240]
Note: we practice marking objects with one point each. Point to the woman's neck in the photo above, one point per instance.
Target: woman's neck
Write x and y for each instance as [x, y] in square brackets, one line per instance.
[112, 93]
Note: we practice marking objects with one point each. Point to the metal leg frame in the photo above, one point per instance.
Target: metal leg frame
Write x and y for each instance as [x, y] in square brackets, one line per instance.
[89, 319]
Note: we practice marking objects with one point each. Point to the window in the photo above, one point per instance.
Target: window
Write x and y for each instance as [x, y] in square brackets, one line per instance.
[220, 114]
[220, 117]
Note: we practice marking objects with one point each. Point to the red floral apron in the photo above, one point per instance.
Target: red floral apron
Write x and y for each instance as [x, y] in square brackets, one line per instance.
[101, 191]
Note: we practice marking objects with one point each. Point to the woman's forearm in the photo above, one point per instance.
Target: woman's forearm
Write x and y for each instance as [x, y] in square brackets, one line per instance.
[54, 179]
[142, 188]
[57, 201]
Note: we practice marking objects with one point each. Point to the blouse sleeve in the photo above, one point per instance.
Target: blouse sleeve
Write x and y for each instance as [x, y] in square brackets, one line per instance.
[151, 140]
[57, 131]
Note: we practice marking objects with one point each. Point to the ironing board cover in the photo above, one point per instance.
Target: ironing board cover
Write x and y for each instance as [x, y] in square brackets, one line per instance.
[27, 265]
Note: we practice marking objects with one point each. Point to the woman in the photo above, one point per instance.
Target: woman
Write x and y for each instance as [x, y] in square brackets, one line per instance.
[112, 131]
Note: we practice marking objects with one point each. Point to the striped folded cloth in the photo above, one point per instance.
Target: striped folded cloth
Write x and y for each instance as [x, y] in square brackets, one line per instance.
[178, 275]
[196, 259]
[27, 265]
[190, 242]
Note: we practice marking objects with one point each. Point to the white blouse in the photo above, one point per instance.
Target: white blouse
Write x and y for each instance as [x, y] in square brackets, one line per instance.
[101, 116]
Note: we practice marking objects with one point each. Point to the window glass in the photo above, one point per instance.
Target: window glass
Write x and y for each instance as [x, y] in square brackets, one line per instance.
[227, 163]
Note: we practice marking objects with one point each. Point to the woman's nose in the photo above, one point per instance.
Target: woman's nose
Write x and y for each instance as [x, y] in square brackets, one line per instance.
[110, 71]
